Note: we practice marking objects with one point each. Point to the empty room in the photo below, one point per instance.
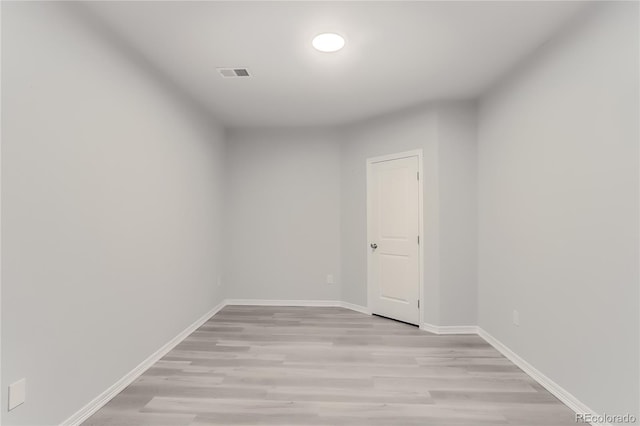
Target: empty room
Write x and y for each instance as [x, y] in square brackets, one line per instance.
[202, 221]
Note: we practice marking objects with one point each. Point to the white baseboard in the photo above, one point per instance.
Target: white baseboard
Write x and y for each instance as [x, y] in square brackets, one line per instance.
[555, 389]
[267, 302]
[85, 412]
[449, 329]
[357, 308]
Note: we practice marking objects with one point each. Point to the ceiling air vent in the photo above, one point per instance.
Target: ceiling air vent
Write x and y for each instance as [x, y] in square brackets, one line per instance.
[234, 72]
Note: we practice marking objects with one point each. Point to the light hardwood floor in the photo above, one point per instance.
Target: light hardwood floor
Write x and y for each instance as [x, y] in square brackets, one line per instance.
[283, 366]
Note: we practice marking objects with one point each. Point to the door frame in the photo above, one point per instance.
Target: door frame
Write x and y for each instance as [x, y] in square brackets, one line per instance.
[370, 289]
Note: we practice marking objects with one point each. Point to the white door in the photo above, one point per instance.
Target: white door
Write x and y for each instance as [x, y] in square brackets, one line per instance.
[393, 232]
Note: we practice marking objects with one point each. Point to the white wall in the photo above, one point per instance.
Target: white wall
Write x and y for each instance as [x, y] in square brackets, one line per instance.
[283, 222]
[558, 212]
[287, 222]
[457, 156]
[111, 200]
[446, 134]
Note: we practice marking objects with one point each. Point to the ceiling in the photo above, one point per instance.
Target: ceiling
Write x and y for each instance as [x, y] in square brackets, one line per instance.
[397, 53]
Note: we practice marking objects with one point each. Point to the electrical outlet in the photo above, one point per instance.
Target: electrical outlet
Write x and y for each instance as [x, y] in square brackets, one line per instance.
[330, 279]
[17, 393]
[516, 318]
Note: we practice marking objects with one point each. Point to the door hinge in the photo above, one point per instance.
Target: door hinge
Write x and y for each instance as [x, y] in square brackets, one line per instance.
[418, 175]
[418, 239]
[418, 304]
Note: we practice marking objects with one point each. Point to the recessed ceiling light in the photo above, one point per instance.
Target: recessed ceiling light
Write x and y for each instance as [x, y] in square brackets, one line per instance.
[328, 42]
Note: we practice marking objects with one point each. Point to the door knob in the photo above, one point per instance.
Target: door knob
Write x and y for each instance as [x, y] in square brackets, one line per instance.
[373, 246]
